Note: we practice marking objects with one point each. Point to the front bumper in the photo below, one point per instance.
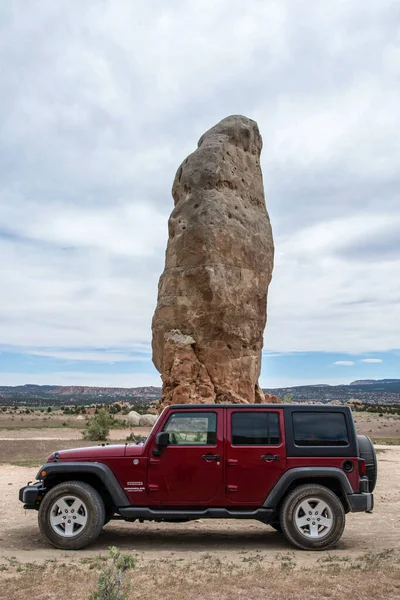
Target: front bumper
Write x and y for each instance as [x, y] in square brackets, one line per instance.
[363, 502]
[31, 495]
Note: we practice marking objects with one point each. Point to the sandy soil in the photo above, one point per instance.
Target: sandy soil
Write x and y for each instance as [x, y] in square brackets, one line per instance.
[52, 426]
[20, 537]
[58, 433]
[377, 427]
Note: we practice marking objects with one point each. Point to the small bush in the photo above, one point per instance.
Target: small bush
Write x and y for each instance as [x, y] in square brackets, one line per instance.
[110, 585]
[98, 427]
[287, 398]
[133, 437]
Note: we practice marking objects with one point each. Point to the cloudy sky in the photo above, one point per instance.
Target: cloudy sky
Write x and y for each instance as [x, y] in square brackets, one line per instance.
[101, 100]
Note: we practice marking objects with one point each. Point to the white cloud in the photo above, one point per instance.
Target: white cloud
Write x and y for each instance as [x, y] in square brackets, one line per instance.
[129, 230]
[94, 356]
[371, 360]
[344, 363]
[101, 105]
[321, 301]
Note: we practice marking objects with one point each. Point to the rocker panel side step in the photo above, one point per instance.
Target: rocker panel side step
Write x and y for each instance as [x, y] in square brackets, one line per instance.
[145, 513]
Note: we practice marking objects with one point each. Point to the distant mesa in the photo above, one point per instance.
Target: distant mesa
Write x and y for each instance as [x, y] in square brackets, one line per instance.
[384, 391]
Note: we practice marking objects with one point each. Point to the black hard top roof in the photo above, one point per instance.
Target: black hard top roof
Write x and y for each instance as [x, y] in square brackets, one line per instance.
[302, 406]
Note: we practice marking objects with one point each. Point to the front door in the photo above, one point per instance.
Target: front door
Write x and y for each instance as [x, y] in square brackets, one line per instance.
[256, 456]
[189, 470]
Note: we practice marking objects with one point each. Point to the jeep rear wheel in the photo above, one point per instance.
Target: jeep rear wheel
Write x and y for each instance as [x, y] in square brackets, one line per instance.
[312, 517]
[71, 515]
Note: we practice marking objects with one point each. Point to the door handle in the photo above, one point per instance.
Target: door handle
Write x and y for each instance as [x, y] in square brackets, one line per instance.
[211, 457]
[270, 457]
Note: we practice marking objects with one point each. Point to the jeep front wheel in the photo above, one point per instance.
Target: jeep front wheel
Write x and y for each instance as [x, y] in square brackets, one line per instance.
[312, 517]
[71, 515]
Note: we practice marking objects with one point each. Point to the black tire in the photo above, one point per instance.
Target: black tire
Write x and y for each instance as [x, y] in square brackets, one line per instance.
[367, 452]
[290, 507]
[95, 515]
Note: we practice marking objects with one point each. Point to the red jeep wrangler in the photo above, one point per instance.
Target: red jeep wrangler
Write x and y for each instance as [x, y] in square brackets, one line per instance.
[298, 468]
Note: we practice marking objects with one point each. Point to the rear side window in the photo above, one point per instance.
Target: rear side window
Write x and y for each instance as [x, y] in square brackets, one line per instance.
[192, 429]
[255, 428]
[320, 429]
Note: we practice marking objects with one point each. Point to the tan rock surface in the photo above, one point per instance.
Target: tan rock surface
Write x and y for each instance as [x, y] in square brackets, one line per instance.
[211, 312]
[270, 399]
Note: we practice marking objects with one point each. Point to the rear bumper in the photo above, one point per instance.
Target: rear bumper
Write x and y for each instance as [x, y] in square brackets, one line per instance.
[361, 502]
[31, 495]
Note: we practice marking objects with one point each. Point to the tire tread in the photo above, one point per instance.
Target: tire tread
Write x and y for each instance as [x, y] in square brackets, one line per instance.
[96, 516]
[288, 527]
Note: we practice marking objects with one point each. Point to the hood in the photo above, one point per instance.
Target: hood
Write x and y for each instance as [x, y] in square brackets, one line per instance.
[89, 453]
[134, 449]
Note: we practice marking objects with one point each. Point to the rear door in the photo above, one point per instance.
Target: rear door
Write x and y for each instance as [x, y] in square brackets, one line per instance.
[256, 456]
[189, 470]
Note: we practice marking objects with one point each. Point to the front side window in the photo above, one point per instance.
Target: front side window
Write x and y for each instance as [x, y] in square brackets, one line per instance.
[255, 428]
[320, 429]
[192, 429]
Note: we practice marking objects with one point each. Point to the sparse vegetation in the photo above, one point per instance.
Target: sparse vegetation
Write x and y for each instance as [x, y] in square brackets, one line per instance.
[238, 571]
[98, 427]
[207, 577]
[110, 584]
[386, 441]
[287, 398]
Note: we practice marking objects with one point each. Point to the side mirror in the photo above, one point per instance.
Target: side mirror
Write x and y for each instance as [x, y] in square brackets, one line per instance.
[162, 441]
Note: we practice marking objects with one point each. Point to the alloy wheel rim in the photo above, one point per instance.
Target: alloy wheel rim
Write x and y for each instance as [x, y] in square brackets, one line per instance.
[313, 518]
[68, 516]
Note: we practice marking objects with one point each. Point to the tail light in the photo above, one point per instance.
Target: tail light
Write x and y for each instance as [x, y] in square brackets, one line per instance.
[362, 467]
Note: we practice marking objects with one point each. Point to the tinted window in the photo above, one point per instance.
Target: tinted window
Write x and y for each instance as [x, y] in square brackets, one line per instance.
[255, 428]
[320, 429]
[192, 429]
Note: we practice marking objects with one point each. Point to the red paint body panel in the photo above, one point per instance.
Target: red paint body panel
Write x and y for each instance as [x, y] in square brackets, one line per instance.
[181, 477]
[91, 453]
[249, 478]
[353, 477]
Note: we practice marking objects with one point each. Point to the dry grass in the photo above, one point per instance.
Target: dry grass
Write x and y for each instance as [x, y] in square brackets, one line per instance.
[46, 420]
[388, 441]
[33, 453]
[373, 576]
[11, 422]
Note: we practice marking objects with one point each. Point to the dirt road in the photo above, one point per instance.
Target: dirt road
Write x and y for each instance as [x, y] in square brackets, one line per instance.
[20, 537]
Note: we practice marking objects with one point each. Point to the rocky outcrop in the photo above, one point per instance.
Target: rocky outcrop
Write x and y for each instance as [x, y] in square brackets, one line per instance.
[270, 399]
[133, 418]
[147, 420]
[185, 379]
[211, 311]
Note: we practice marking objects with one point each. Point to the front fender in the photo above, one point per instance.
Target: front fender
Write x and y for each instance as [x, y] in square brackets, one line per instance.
[103, 472]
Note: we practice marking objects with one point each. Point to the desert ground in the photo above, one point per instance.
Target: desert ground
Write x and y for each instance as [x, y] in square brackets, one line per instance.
[202, 559]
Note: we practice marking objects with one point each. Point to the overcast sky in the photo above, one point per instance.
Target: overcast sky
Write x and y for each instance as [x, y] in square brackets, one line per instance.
[101, 100]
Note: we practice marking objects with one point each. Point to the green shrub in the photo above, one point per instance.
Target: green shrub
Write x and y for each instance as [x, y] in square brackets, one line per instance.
[110, 585]
[98, 427]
